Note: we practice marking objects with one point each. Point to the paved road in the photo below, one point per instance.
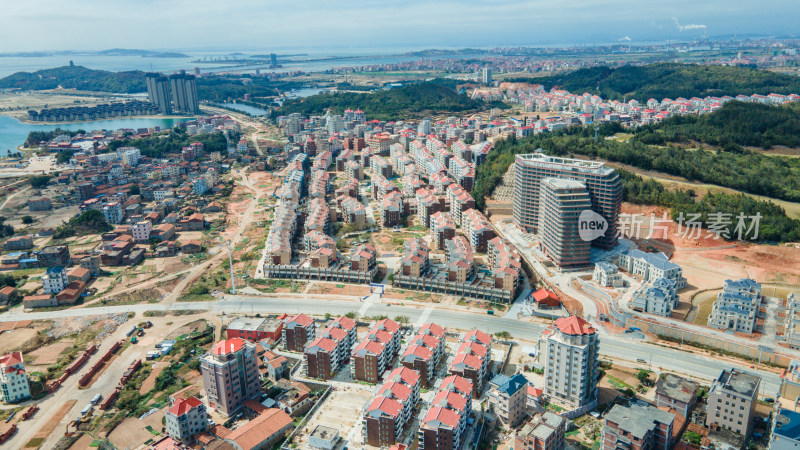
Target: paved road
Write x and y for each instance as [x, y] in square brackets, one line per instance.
[616, 348]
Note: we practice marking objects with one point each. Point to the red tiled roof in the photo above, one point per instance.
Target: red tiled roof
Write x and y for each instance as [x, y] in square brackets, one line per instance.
[388, 406]
[11, 359]
[444, 416]
[457, 383]
[232, 345]
[574, 325]
[405, 374]
[183, 406]
[301, 319]
[258, 430]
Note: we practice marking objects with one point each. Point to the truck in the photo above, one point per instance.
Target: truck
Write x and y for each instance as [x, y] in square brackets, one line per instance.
[96, 399]
[130, 333]
[490, 312]
[140, 332]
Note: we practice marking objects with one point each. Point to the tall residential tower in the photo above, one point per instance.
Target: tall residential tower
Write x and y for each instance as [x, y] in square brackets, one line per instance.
[570, 351]
[561, 202]
[602, 183]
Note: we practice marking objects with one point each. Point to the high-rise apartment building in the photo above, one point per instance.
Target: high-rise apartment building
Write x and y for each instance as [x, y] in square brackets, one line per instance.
[570, 350]
[486, 75]
[561, 202]
[602, 183]
[230, 374]
[184, 93]
[158, 92]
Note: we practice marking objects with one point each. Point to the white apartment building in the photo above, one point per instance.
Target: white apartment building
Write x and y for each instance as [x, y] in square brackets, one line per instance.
[650, 266]
[658, 298]
[141, 231]
[113, 212]
[186, 418]
[55, 280]
[13, 378]
[570, 351]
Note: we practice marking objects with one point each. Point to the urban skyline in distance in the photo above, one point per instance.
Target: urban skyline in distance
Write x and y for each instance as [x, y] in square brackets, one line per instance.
[128, 24]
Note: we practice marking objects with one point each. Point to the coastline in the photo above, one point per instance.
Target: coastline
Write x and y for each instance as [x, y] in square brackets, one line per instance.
[149, 116]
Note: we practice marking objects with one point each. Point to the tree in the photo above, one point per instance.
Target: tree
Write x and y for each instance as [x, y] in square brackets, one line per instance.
[134, 190]
[401, 319]
[692, 438]
[27, 220]
[503, 334]
[643, 376]
[39, 181]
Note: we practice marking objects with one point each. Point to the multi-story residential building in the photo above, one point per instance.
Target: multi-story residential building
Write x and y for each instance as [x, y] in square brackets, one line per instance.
[736, 307]
[606, 274]
[55, 280]
[141, 231]
[473, 358]
[13, 378]
[387, 415]
[113, 212]
[230, 374]
[508, 399]
[477, 228]
[298, 330]
[651, 266]
[544, 431]
[425, 351]
[54, 255]
[185, 419]
[376, 352]
[570, 354]
[460, 201]
[444, 425]
[637, 428]
[602, 183]
[732, 401]
[561, 202]
[677, 393]
[326, 354]
[427, 205]
[392, 209]
[443, 228]
[791, 332]
[18, 243]
[785, 430]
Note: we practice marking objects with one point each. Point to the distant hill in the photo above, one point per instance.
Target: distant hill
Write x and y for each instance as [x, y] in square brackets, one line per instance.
[77, 77]
[414, 100]
[670, 80]
[143, 53]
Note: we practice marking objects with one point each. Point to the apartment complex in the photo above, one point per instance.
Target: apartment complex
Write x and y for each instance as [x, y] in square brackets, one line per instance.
[544, 431]
[570, 352]
[185, 419]
[14, 384]
[637, 428]
[736, 307]
[602, 183]
[375, 353]
[443, 426]
[561, 202]
[388, 414]
[230, 374]
[732, 401]
[298, 330]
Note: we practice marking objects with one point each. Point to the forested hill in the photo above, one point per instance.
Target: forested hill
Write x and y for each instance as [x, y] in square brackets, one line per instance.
[735, 124]
[77, 77]
[776, 177]
[414, 100]
[670, 80]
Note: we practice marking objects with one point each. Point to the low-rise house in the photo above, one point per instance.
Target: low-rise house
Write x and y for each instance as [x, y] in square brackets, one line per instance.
[39, 301]
[277, 365]
[186, 418]
[18, 243]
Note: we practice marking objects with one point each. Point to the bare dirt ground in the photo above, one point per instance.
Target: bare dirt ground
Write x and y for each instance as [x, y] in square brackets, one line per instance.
[84, 442]
[342, 411]
[13, 339]
[132, 433]
[49, 354]
[54, 419]
[150, 381]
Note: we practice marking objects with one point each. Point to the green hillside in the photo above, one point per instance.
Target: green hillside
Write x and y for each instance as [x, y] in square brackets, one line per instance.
[77, 77]
[670, 80]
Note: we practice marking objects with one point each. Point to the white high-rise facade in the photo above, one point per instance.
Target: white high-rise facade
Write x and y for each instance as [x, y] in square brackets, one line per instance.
[570, 355]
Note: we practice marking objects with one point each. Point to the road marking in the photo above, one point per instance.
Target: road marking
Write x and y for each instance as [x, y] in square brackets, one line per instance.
[367, 303]
[423, 317]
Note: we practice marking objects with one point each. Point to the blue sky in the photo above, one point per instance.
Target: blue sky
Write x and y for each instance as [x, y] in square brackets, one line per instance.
[31, 25]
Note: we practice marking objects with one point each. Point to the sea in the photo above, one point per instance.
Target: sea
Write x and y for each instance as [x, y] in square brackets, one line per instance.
[13, 132]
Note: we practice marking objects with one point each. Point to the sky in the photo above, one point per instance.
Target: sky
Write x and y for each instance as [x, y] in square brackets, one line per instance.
[49, 25]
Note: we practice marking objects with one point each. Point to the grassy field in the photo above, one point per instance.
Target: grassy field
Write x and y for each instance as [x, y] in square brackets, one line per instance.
[704, 302]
